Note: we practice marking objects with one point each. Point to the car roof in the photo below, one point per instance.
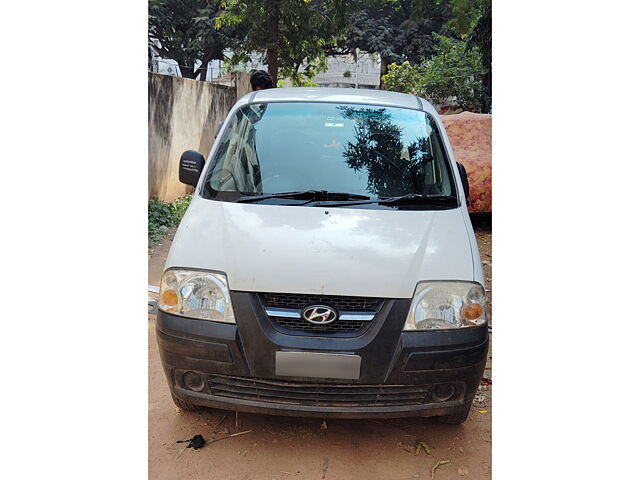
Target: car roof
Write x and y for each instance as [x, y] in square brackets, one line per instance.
[339, 95]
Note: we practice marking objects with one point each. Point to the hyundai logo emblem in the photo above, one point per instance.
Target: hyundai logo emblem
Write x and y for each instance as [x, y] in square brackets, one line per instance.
[319, 314]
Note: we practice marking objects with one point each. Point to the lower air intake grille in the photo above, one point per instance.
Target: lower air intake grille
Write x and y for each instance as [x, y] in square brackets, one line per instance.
[276, 391]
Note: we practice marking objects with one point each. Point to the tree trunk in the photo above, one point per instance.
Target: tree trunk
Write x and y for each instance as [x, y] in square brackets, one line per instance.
[272, 43]
[383, 71]
[215, 52]
[202, 70]
[188, 71]
[201, 73]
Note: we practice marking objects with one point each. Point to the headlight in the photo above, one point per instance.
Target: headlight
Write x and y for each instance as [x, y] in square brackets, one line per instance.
[440, 305]
[196, 294]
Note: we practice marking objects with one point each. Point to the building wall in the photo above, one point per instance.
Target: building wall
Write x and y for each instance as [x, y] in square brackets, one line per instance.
[365, 72]
[184, 115]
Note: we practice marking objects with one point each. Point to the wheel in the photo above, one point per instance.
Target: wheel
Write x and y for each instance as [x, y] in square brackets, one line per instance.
[184, 405]
[456, 418]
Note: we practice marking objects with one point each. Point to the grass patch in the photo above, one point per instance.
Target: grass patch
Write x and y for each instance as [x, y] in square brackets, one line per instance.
[165, 214]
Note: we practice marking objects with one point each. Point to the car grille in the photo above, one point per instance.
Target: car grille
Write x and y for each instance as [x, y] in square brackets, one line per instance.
[316, 394]
[335, 327]
[295, 301]
[341, 303]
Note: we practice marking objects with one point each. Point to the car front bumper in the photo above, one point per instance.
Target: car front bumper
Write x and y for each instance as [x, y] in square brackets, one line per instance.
[402, 374]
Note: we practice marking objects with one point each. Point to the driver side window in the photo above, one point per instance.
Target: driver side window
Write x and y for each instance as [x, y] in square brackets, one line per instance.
[236, 165]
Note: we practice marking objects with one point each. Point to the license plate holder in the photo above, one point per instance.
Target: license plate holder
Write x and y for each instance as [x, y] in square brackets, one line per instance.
[318, 365]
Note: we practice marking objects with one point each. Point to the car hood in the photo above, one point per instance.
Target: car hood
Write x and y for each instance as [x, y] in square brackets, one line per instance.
[330, 251]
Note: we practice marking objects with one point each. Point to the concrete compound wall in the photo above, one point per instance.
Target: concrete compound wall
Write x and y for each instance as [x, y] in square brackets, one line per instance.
[184, 115]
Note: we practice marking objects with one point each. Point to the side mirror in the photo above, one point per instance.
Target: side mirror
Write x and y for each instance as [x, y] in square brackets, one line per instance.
[191, 165]
[465, 180]
[218, 128]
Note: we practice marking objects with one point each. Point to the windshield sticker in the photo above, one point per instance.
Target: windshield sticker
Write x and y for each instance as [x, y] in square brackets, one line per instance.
[333, 144]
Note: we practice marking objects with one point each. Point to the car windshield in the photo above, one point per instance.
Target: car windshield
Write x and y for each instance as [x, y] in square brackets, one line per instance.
[369, 150]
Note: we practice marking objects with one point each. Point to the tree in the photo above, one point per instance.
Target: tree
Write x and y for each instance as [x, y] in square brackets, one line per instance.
[454, 71]
[401, 30]
[398, 30]
[472, 21]
[481, 37]
[290, 33]
[405, 78]
[183, 30]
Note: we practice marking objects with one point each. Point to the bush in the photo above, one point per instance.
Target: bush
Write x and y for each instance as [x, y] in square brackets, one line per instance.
[404, 78]
[454, 71]
[164, 214]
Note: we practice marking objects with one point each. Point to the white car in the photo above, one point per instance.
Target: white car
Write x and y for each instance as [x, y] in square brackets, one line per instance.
[326, 265]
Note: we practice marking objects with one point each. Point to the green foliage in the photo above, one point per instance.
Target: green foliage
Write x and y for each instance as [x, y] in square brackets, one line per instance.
[404, 78]
[302, 81]
[399, 30]
[183, 30]
[294, 32]
[454, 71]
[164, 214]
[472, 22]
[481, 37]
[403, 30]
[305, 77]
[466, 14]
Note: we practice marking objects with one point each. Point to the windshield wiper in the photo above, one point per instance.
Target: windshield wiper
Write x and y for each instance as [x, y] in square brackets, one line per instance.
[408, 198]
[412, 197]
[320, 195]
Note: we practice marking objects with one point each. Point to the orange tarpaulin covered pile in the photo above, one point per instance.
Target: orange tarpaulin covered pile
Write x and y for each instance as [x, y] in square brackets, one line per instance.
[470, 136]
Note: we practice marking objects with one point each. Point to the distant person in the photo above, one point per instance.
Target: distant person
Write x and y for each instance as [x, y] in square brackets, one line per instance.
[261, 80]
